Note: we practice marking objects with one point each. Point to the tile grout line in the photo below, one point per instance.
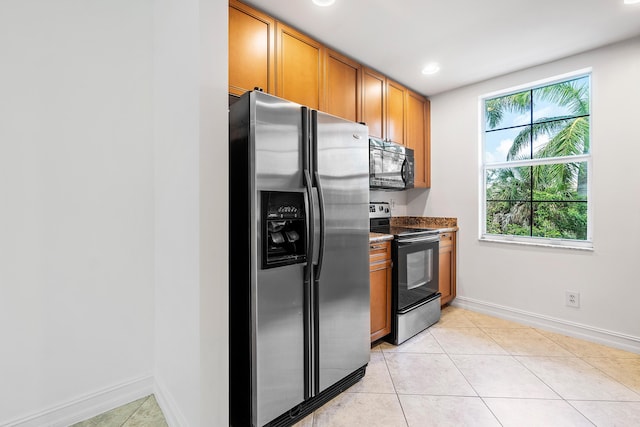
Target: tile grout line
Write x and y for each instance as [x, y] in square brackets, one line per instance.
[474, 389]
[515, 357]
[637, 392]
[134, 412]
[573, 355]
[580, 412]
[611, 377]
[404, 415]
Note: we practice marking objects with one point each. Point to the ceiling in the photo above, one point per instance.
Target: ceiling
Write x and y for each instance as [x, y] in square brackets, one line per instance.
[471, 40]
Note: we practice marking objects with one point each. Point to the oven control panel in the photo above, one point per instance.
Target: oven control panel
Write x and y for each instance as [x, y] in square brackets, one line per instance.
[379, 210]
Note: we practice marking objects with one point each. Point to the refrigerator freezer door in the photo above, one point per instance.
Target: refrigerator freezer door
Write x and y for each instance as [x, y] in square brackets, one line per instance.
[279, 360]
[343, 327]
[277, 303]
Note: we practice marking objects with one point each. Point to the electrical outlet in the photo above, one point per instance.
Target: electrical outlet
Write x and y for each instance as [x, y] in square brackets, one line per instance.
[572, 299]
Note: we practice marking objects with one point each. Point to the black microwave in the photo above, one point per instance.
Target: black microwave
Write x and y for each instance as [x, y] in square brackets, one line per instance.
[391, 165]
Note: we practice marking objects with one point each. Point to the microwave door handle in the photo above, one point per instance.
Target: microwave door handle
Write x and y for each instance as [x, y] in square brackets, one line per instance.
[403, 171]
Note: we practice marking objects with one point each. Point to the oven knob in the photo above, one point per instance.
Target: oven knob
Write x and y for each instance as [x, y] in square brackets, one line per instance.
[380, 208]
[386, 210]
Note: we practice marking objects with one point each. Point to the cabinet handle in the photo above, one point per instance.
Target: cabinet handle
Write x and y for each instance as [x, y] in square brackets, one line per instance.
[377, 247]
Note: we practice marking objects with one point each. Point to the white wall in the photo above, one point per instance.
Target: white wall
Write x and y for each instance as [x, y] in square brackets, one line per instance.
[214, 216]
[76, 205]
[397, 200]
[531, 280]
[191, 134]
[113, 160]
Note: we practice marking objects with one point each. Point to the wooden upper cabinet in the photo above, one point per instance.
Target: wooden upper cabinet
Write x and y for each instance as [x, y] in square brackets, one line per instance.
[284, 62]
[251, 49]
[396, 112]
[342, 83]
[374, 102]
[299, 67]
[418, 137]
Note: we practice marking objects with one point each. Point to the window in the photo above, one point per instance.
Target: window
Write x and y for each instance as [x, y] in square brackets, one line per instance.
[536, 164]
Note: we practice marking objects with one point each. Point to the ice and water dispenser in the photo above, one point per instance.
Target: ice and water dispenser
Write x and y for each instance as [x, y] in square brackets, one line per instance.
[283, 228]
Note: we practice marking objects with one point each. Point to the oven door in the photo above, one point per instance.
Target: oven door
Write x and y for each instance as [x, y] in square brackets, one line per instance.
[416, 270]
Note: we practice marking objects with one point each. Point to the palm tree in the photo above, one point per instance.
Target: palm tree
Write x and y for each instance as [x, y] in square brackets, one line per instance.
[568, 135]
[558, 136]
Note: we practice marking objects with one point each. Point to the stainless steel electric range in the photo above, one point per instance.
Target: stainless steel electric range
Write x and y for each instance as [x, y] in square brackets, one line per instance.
[415, 298]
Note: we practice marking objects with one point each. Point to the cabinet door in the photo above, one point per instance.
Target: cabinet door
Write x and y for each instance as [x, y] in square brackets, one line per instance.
[251, 49]
[418, 137]
[373, 102]
[342, 87]
[447, 267]
[395, 112]
[380, 278]
[299, 66]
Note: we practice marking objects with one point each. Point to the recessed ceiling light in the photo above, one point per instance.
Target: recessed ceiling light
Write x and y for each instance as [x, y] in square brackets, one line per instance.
[324, 2]
[631, 1]
[431, 68]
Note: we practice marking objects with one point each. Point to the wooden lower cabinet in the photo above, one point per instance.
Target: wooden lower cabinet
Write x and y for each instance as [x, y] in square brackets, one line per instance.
[447, 267]
[380, 284]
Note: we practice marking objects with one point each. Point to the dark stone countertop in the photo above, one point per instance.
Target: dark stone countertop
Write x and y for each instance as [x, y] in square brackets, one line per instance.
[443, 224]
[379, 237]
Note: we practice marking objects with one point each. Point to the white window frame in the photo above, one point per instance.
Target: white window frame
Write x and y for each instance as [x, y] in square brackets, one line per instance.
[531, 240]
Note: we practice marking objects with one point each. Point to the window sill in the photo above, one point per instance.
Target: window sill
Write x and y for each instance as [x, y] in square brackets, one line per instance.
[545, 243]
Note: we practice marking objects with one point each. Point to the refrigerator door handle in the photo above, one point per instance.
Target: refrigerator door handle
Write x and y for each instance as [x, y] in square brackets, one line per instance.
[314, 152]
[308, 291]
[312, 192]
[310, 216]
[322, 228]
[306, 152]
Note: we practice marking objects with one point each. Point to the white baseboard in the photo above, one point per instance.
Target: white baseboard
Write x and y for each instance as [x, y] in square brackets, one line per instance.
[577, 330]
[87, 406]
[171, 411]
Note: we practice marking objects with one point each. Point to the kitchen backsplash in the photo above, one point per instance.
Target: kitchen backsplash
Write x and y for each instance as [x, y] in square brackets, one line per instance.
[397, 200]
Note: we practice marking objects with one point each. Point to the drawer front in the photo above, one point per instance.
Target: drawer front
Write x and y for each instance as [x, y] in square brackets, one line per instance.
[379, 265]
[380, 251]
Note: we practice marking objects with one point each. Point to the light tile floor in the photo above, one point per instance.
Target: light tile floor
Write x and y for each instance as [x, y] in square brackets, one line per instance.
[143, 412]
[470, 369]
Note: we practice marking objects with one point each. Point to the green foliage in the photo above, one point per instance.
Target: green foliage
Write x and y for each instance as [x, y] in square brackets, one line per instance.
[546, 200]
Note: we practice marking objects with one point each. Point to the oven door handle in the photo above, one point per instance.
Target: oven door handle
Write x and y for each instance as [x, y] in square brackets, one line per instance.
[426, 239]
[413, 307]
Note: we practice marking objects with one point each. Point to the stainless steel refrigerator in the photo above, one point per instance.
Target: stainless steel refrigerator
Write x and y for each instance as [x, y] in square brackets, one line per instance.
[299, 266]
